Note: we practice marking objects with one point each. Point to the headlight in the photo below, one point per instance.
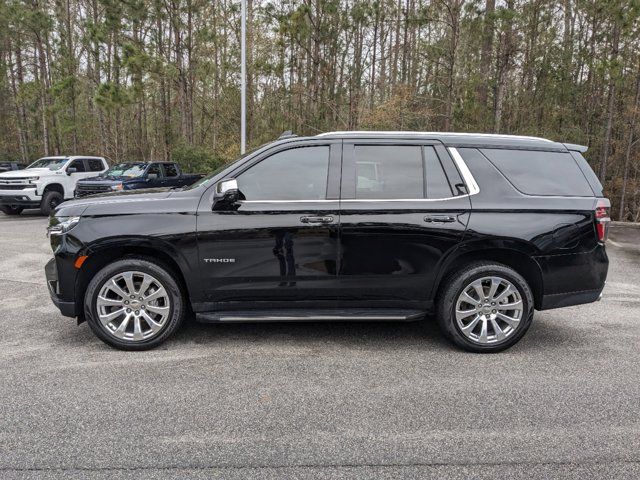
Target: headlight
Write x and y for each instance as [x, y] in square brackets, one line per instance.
[33, 179]
[61, 225]
[119, 186]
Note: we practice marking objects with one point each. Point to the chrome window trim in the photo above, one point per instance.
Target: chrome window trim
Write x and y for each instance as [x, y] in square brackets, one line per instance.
[467, 176]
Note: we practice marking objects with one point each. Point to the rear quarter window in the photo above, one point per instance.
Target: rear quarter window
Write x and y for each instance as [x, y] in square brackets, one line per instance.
[540, 173]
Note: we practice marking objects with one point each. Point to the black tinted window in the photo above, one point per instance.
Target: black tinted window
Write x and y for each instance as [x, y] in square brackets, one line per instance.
[154, 169]
[589, 174]
[78, 165]
[437, 183]
[295, 174]
[95, 165]
[170, 170]
[540, 173]
[385, 171]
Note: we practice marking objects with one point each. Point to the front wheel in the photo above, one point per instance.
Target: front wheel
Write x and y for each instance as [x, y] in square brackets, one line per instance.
[485, 307]
[50, 200]
[134, 304]
[11, 209]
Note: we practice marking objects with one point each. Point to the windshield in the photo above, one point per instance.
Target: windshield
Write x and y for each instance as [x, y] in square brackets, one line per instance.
[50, 163]
[125, 170]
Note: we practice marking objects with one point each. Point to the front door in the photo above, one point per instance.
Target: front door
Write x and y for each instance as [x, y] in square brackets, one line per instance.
[278, 246]
[404, 207]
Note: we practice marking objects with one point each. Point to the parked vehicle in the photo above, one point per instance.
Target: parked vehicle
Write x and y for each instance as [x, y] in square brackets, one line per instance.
[479, 229]
[46, 182]
[136, 175]
[8, 166]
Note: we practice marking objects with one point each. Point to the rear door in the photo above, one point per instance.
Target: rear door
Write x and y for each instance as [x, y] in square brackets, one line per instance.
[404, 207]
[171, 175]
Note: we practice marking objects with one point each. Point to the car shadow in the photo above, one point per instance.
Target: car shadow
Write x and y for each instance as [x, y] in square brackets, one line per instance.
[418, 334]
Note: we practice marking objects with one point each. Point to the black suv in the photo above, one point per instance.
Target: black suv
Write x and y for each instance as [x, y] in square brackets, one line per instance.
[478, 229]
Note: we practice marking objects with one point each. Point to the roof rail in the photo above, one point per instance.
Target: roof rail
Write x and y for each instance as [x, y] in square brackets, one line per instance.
[287, 134]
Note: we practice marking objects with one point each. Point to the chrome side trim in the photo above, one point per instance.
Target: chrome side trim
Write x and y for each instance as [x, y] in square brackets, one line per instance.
[467, 176]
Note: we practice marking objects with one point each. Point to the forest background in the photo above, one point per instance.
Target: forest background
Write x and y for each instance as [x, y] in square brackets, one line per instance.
[159, 79]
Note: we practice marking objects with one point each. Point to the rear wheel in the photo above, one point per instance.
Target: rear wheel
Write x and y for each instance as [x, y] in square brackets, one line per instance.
[11, 209]
[134, 304]
[50, 200]
[485, 307]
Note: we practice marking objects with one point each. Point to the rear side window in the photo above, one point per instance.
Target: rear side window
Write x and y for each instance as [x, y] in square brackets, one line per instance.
[389, 171]
[541, 173]
[95, 165]
[170, 170]
[589, 174]
[436, 179]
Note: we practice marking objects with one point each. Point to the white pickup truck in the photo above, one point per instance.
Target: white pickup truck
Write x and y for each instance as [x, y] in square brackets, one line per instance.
[46, 182]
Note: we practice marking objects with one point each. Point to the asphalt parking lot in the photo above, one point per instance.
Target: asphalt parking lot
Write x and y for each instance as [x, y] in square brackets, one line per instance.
[338, 400]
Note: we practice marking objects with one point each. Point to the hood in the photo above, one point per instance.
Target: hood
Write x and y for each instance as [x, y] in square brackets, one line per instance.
[27, 172]
[115, 203]
[107, 180]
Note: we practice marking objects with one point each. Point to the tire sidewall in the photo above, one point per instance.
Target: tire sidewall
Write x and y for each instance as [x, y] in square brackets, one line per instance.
[167, 280]
[45, 206]
[459, 282]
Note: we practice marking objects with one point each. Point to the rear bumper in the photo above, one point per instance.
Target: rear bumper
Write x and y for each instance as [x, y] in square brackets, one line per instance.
[67, 308]
[573, 279]
[559, 300]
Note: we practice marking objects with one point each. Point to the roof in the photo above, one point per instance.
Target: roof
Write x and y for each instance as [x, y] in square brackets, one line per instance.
[454, 139]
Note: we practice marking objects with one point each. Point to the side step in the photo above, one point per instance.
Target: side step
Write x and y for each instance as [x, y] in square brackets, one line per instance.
[310, 315]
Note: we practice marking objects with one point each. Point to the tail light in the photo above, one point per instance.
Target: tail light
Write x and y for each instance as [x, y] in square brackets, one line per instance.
[602, 219]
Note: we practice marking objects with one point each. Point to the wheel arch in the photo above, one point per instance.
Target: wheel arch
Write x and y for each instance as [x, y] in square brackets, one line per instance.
[513, 255]
[55, 187]
[102, 255]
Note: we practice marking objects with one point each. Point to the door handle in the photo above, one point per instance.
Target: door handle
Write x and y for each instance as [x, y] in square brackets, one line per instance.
[325, 219]
[440, 219]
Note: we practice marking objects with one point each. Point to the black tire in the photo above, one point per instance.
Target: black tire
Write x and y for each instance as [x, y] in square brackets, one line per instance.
[163, 274]
[50, 200]
[453, 287]
[11, 209]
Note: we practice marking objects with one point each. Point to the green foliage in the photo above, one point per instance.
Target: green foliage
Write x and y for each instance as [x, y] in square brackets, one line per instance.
[196, 159]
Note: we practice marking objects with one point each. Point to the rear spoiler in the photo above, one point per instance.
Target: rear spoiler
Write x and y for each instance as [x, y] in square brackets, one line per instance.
[576, 148]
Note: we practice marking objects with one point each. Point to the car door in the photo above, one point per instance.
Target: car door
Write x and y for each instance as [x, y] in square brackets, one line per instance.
[404, 207]
[154, 177]
[278, 246]
[82, 170]
[171, 175]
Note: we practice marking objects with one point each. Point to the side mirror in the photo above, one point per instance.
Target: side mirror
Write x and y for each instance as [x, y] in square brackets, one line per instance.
[152, 176]
[226, 194]
[71, 170]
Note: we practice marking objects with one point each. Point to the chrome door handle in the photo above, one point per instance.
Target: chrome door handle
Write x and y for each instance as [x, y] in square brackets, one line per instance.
[440, 219]
[325, 219]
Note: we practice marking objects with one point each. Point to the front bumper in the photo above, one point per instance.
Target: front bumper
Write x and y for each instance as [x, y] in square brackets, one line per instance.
[25, 197]
[67, 308]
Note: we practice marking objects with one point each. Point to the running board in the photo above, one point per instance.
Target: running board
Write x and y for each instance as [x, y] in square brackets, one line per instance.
[311, 315]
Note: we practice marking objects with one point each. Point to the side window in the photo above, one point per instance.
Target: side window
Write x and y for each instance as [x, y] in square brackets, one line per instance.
[78, 165]
[388, 171]
[95, 165]
[437, 183]
[541, 173]
[294, 174]
[170, 170]
[154, 169]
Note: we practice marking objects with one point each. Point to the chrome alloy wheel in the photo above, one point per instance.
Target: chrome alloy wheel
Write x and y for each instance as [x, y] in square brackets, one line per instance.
[133, 306]
[489, 310]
